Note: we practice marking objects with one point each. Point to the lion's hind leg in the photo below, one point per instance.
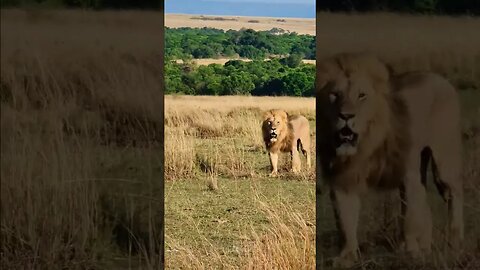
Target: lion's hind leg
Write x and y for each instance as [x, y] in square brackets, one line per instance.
[304, 147]
[296, 162]
[447, 178]
[446, 144]
[418, 221]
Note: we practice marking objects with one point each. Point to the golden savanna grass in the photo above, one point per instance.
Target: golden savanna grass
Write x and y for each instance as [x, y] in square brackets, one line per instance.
[298, 25]
[217, 190]
[80, 136]
[447, 45]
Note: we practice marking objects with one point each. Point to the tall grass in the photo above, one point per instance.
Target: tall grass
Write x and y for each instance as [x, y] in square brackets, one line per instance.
[80, 126]
[288, 244]
[447, 45]
[228, 127]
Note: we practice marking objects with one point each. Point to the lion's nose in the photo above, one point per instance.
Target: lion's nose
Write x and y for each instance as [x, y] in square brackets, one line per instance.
[274, 128]
[346, 116]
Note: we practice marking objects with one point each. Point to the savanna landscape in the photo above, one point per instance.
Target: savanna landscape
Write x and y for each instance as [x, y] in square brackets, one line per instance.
[222, 210]
[82, 133]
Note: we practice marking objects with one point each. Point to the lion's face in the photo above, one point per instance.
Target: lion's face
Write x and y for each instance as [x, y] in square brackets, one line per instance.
[352, 97]
[354, 100]
[275, 125]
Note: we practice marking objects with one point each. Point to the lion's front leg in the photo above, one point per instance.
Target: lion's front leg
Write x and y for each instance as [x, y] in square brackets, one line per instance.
[347, 210]
[296, 162]
[273, 163]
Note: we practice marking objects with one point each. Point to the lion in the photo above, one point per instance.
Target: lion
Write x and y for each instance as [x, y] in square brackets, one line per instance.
[286, 133]
[381, 131]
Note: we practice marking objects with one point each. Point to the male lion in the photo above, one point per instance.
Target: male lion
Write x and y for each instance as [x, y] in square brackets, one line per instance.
[381, 131]
[284, 133]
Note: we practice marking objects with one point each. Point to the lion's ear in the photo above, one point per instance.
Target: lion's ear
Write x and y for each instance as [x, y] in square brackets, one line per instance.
[285, 115]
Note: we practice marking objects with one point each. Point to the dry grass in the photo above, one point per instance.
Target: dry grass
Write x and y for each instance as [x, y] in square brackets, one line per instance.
[288, 244]
[298, 25]
[447, 45]
[80, 122]
[219, 140]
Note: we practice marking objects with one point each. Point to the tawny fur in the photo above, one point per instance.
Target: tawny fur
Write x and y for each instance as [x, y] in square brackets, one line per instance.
[293, 136]
[405, 121]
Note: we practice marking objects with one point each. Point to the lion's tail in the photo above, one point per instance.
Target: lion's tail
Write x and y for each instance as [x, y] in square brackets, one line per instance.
[300, 146]
[426, 158]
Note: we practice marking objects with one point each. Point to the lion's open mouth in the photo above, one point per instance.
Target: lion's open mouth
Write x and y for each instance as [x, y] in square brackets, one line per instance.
[346, 136]
[273, 135]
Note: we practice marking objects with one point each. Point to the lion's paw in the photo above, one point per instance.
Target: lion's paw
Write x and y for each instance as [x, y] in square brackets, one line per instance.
[273, 174]
[343, 262]
[346, 259]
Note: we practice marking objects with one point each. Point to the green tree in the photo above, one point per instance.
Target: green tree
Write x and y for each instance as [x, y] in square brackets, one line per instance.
[238, 84]
[297, 83]
[293, 60]
[428, 6]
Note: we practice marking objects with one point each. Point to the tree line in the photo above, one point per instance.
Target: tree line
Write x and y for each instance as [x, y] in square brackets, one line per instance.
[411, 6]
[285, 76]
[181, 43]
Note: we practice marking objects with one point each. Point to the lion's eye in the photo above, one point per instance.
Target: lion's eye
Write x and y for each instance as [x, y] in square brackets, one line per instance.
[269, 122]
[362, 96]
[278, 122]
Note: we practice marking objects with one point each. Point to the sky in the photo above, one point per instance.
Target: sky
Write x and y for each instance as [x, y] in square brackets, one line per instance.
[262, 8]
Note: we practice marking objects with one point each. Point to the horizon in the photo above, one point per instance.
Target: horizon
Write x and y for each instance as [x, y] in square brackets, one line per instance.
[246, 8]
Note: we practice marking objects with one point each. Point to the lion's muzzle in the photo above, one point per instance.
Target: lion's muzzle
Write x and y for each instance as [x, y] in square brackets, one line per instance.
[347, 136]
[346, 141]
[273, 135]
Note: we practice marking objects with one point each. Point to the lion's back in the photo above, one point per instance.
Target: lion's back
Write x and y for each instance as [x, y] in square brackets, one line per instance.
[432, 103]
[300, 128]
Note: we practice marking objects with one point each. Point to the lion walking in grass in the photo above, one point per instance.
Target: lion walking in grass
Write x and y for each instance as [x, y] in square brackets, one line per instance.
[286, 133]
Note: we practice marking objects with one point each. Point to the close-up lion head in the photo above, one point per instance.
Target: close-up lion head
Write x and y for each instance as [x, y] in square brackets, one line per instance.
[274, 126]
[354, 96]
